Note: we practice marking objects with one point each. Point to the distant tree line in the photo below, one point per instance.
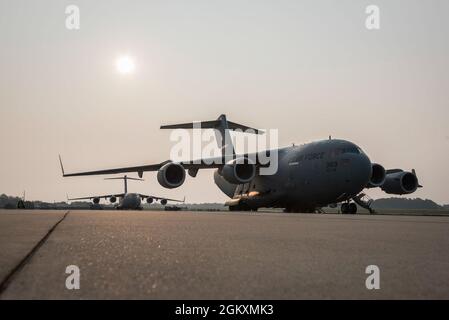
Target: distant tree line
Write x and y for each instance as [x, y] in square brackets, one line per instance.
[407, 203]
[11, 202]
[7, 202]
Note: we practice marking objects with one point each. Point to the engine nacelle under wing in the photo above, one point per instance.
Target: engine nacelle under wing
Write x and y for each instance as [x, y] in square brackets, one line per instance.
[400, 182]
[239, 171]
[227, 188]
[378, 176]
[171, 175]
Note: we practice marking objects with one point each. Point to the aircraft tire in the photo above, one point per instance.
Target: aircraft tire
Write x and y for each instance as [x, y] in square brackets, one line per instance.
[21, 205]
[344, 208]
[352, 208]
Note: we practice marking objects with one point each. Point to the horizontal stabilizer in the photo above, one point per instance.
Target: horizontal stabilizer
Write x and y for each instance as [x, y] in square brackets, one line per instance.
[222, 126]
[213, 124]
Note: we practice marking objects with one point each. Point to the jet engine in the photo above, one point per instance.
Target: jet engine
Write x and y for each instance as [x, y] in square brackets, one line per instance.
[238, 171]
[149, 200]
[377, 176]
[96, 200]
[164, 202]
[112, 199]
[400, 182]
[171, 175]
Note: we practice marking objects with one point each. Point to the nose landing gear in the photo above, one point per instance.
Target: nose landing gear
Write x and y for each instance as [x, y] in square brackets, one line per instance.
[348, 208]
[364, 201]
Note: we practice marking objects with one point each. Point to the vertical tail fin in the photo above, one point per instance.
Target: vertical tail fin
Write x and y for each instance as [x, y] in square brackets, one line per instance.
[222, 127]
[223, 137]
[125, 179]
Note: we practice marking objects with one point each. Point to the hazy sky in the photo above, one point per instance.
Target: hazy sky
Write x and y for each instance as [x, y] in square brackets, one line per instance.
[308, 68]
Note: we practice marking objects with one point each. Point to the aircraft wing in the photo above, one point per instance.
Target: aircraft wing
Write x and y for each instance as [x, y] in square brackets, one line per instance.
[220, 124]
[208, 163]
[139, 169]
[388, 171]
[163, 198]
[199, 164]
[103, 196]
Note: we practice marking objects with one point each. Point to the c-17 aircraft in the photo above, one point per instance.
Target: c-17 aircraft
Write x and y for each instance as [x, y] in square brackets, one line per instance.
[127, 201]
[308, 176]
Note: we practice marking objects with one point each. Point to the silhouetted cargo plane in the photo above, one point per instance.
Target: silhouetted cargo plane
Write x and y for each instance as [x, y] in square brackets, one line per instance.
[308, 176]
[126, 200]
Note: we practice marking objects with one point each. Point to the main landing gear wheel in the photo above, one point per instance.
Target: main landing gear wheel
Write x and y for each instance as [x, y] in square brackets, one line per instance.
[352, 208]
[348, 208]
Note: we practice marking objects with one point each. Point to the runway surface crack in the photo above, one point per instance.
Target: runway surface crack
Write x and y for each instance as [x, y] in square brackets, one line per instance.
[10, 276]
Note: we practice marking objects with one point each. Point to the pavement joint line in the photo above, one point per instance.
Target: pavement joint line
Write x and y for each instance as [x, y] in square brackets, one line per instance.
[10, 276]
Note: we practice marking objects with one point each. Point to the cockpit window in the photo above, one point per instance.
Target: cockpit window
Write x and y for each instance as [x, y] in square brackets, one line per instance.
[337, 152]
[351, 150]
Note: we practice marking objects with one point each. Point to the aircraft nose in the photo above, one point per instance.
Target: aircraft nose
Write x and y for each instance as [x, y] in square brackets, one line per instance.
[363, 170]
[357, 173]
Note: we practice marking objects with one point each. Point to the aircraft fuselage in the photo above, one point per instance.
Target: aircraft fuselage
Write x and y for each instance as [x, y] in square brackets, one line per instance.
[308, 176]
[130, 201]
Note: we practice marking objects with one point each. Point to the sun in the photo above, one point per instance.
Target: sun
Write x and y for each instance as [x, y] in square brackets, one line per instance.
[125, 65]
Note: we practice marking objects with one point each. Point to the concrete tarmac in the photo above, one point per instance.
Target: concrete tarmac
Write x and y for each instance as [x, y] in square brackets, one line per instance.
[193, 255]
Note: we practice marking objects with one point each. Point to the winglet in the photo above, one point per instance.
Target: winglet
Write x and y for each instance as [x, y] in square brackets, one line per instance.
[414, 173]
[62, 167]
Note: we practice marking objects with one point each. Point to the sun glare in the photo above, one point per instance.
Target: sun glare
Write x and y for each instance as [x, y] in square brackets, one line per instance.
[125, 65]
